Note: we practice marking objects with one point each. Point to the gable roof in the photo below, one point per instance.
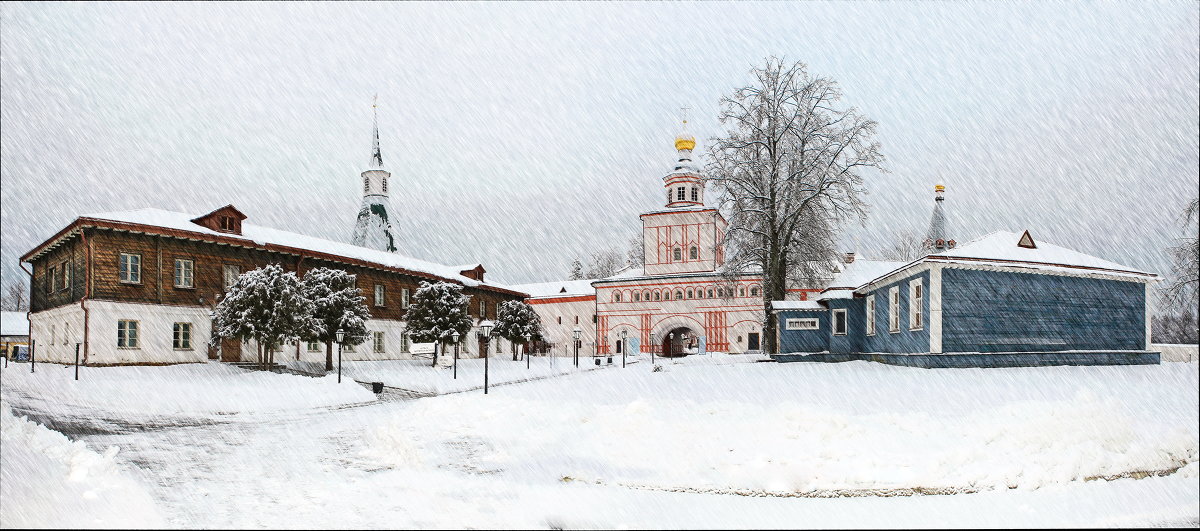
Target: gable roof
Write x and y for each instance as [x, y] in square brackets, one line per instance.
[1005, 247]
[560, 288]
[156, 221]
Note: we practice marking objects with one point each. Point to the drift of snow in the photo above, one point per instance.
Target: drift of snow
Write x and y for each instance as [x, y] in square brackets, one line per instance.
[49, 481]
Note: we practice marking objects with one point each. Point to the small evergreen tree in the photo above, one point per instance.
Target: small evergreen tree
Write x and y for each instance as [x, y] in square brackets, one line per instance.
[266, 305]
[517, 322]
[337, 304]
[436, 312]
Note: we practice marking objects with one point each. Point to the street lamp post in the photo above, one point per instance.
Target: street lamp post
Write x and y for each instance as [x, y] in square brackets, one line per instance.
[77, 361]
[485, 329]
[577, 332]
[526, 354]
[455, 336]
[341, 334]
[624, 347]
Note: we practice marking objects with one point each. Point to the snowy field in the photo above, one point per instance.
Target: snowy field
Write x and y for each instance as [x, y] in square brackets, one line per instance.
[707, 442]
[418, 375]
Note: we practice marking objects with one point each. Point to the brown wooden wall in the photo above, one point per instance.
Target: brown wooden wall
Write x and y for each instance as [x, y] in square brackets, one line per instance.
[157, 284]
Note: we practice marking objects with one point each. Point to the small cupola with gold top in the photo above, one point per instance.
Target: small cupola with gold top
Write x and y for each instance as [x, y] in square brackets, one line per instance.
[685, 184]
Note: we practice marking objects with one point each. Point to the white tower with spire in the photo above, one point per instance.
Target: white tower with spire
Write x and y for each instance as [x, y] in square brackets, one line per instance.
[373, 228]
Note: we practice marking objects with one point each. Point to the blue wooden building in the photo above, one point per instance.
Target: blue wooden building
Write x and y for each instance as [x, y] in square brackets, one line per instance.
[1002, 300]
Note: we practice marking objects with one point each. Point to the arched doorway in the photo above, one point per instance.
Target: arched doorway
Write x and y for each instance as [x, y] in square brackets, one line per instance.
[679, 342]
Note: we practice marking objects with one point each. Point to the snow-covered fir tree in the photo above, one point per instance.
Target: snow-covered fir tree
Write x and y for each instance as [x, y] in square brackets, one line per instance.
[266, 305]
[436, 312]
[576, 270]
[337, 305]
[517, 322]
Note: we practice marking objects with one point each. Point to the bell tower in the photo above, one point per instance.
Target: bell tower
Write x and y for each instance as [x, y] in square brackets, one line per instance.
[686, 236]
[373, 228]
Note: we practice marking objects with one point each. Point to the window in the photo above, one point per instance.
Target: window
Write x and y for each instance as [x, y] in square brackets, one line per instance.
[894, 309]
[231, 274]
[53, 284]
[754, 291]
[801, 324]
[131, 268]
[741, 292]
[560, 319]
[51, 334]
[576, 319]
[377, 342]
[693, 253]
[680, 194]
[916, 291]
[678, 254]
[385, 185]
[404, 298]
[379, 295]
[184, 273]
[66, 275]
[227, 224]
[127, 334]
[616, 296]
[366, 184]
[690, 294]
[678, 294]
[483, 309]
[710, 293]
[637, 296]
[695, 194]
[721, 292]
[314, 346]
[657, 296]
[182, 338]
[404, 347]
[839, 322]
[870, 315]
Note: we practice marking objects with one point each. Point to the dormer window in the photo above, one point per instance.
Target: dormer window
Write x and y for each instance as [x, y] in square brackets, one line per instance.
[227, 224]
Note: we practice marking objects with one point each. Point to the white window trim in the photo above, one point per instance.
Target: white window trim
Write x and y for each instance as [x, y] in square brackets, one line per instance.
[894, 310]
[130, 269]
[174, 336]
[845, 320]
[311, 344]
[802, 323]
[915, 305]
[137, 333]
[377, 344]
[870, 307]
[191, 273]
[404, 298]
[380, 295]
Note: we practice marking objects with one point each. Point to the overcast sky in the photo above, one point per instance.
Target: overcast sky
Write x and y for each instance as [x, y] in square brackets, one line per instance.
[523, 135]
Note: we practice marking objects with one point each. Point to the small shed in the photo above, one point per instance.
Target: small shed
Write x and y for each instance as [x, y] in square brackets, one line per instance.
[14, 333]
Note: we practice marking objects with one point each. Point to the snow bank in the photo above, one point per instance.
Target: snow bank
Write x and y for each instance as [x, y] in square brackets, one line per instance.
[48, 481]
[795, 428]
[198, 388]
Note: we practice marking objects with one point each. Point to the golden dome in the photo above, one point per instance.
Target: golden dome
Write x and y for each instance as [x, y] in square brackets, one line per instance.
[939, 188]
[685, 141]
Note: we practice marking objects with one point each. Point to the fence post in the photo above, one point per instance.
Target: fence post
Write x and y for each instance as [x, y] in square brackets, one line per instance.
[77, 362]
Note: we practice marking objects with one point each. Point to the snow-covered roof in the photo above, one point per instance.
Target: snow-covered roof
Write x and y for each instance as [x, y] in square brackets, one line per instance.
[698, 208]
[796, 305]
[861, 271]
[13, 324]
[260, 235]
[1003, 246]
[561, 288]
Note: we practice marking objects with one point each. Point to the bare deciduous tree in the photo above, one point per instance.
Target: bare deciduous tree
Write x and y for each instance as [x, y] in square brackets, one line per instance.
[16, 298]
[1184, 287]
[636, 256]
[605, 263]
[790, 170]
[906, 247]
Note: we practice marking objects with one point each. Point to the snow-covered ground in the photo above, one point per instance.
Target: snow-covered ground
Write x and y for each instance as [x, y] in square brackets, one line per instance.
[707, 442]
[418, 375]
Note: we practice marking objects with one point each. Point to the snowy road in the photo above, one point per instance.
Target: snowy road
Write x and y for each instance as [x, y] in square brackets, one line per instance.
[471, 461]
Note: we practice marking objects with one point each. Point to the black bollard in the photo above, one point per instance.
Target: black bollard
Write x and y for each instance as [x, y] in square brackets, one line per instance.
[77, 362]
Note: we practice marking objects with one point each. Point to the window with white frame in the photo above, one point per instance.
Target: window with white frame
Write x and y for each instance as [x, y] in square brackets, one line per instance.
[695, 194]
[801, 323]
[894, 309]
[127, 334]
[678, 294]
[182, 336]
[379, 301]
[483, 307]
[366, 184]
[680, 194]
[184, 273]
[690, 293]
[52, 285]
[404, 298]
[385, 185]
[230, 275]
[916, 292]
[314, 346]
[404, 344]
[377, 342]
[616, 296]
[131, 268]
[839, 322]
[66, 274]
[870, 315]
